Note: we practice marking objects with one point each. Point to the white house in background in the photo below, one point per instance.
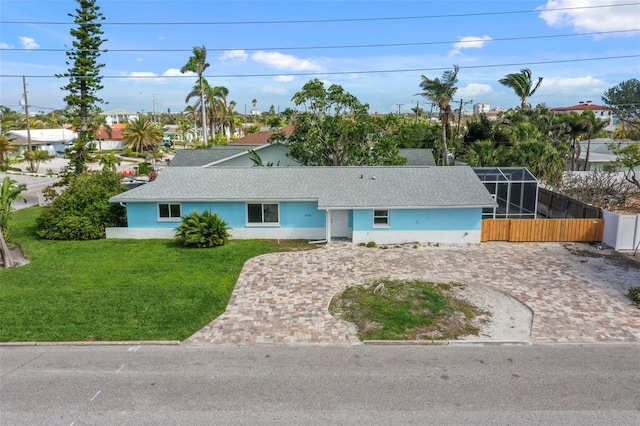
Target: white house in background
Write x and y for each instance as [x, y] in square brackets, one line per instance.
[601, 112]
[54, 141]
[118, 116]
[481, 108]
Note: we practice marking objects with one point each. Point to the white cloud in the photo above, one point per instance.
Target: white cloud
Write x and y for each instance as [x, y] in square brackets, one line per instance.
[238, 55]
[473, 90]
[5, 46]
[590, 18]
[285, 62]
[274, 89]
[28, 43]
[146, 76]
[172, 72]
[469, 42]
[283, 78]
[572, 83]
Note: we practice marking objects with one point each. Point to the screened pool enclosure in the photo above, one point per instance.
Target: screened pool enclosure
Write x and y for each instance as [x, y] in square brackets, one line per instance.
[515, 190]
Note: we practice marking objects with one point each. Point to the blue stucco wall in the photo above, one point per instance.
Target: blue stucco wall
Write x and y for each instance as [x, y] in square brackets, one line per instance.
[422, 220]
[292, 214]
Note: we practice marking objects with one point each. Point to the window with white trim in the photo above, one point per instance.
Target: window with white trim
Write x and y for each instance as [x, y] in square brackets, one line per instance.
[380, 218]
[263, 214]
[169, 212]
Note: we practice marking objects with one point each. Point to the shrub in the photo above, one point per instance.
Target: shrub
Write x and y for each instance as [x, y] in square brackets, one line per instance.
[204, 229]
[371, 244]
[83, 211]
[634, 294]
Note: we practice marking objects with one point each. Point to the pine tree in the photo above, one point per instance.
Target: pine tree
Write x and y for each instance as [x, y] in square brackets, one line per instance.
[84, 78]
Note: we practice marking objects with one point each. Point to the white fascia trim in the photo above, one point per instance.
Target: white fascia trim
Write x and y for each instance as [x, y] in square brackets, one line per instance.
[407, 207]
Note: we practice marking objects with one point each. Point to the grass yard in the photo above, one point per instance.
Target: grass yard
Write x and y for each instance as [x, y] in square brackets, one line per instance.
[117, 289]
[407, 310]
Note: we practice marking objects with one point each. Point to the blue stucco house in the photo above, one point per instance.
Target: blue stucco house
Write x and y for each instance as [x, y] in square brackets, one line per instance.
[386, 205]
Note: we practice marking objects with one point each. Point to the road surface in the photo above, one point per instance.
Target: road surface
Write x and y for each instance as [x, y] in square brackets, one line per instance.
[191, 384]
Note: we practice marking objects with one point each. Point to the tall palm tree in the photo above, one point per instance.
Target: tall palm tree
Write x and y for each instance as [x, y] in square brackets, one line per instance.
[441, 92]
[198, 63]
[140, 134]
[521, 83]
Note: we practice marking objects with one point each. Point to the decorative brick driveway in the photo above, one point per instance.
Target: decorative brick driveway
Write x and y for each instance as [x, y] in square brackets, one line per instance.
[283, 297]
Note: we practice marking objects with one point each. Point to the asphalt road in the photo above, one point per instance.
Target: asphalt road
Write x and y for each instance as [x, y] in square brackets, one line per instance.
[455, 384]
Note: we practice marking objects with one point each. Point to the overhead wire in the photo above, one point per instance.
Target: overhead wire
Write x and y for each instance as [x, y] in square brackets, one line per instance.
[309, 21]
[354, 46]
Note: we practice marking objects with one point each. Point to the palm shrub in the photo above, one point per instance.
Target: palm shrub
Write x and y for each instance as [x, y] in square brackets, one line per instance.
[204, 229]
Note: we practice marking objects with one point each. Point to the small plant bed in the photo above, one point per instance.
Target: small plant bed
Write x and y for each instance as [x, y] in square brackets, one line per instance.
[407, 310]
[634, 295]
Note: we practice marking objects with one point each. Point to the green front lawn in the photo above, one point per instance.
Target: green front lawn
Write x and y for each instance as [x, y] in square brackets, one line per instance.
[117, 289]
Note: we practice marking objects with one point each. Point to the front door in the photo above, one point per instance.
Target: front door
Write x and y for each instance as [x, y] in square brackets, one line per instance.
[339, 223]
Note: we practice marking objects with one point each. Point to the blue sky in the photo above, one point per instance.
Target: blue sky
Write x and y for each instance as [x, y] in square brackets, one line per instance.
[377, 50]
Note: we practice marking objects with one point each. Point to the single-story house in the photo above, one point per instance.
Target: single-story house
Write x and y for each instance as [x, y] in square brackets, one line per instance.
[385, 205]
[54, 141]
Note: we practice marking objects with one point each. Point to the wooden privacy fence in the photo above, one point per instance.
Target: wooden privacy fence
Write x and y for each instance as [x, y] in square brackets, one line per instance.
[542, 230]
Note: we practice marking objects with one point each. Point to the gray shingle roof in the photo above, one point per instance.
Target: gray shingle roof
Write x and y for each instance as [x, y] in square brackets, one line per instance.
[202, 157]
[418, 156]
[332, 187]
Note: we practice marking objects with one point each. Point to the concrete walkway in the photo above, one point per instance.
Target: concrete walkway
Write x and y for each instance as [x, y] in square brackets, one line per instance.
[577, 292]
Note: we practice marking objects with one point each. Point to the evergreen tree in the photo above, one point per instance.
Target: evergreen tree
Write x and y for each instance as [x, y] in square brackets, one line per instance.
[84, 78]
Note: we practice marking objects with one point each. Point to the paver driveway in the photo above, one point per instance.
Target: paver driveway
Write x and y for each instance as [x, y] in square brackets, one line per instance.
[283, 297]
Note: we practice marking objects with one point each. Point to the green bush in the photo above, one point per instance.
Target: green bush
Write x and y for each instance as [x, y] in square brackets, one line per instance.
[82, 211]
[634, 294]
[204, 229]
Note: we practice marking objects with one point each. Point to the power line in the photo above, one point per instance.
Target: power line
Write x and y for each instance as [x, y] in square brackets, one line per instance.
[320, 73]
[312, 21]
[355, 46]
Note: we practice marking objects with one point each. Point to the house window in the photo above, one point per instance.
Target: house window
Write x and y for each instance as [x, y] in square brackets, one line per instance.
[380, 218]
[169, 211]
[263, 214]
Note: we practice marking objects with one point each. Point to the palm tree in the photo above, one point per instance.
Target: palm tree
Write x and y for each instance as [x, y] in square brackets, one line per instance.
[5, 149]
[521, 83]
[9, 192]
[594, 126]
[198, 63]
[109, 162]
[441, 92]
[576, 126]
[141, 134]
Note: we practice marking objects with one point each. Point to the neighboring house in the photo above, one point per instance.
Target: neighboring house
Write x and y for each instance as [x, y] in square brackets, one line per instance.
[418, 156]
[261, 137]
[601, 112]
[235, 155]
[118, 116]
[108, 142]
[54, 141]
[600, 155]
[381, 204]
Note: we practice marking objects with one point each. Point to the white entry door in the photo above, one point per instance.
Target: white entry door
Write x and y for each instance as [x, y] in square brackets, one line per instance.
[339, 223]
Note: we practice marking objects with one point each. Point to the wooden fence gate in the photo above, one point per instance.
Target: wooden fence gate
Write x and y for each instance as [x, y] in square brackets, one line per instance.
[542, 230]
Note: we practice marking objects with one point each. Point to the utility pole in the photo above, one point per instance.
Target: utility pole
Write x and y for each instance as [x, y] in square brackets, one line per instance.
[154, 108]
[462, 103]
[26, 111]
[399, 107]
[29, 155]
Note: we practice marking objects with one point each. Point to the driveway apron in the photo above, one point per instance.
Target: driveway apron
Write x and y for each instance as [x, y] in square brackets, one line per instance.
[284, 297]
